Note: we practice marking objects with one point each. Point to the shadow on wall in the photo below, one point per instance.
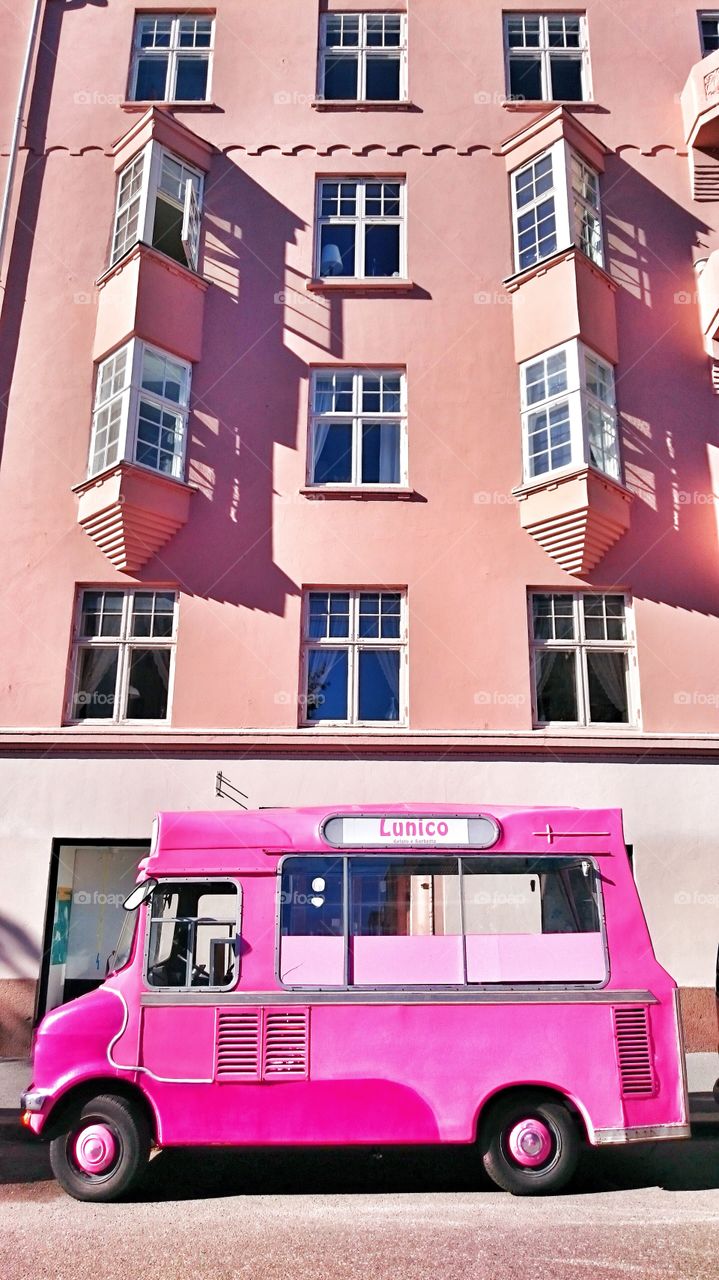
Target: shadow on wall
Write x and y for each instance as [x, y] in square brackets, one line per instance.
[669, 414]
[17, 993]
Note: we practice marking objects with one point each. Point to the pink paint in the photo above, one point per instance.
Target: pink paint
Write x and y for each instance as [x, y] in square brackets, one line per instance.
[526, 957]
[412, 1064]
[530, 1143]
[95, 1149]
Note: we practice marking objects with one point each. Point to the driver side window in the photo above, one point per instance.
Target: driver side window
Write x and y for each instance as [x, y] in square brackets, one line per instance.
[193, 935]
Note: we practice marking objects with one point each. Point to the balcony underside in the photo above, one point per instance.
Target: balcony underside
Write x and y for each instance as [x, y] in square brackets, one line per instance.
[575, 518]
[131, 513]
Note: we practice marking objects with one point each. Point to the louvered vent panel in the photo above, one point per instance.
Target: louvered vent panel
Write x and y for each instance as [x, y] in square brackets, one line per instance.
[286, 1044]
[238, 1044]
[636, 1069]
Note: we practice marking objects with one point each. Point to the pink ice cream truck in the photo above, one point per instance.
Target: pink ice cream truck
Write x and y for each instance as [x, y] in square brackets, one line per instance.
[346, 975]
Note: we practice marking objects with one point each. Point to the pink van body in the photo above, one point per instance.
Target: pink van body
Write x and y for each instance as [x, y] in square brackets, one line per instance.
[396, 1060]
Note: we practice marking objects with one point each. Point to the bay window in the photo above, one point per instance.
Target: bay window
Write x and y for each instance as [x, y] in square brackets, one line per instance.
[360, 228]
[123, 651]
[357, 427]
[171, 58]
[159, 202]
[555, 204]
[141, 409]
[363, 57]
[581, 651]
[569, 415]
[354, 657]
[547, 57]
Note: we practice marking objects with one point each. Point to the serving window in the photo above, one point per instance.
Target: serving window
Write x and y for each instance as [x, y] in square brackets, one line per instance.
[378, 921]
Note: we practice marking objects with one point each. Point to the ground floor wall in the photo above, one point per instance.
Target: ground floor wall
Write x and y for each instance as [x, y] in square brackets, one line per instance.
[69, 823]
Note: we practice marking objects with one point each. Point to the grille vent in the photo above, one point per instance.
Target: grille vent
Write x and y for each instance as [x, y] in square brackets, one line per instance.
[262, 1044]
[636, 1069]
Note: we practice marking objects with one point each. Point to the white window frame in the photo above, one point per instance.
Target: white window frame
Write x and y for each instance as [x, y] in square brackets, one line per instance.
[131, 392]
[353, 643]
[566, 199]
[710, 15]
[171, 52]
[360, 220]
[151, 158]
[356, 417]
[581, 403]
[125, 643]
[581, 646]
[362, 50]
[544, 51]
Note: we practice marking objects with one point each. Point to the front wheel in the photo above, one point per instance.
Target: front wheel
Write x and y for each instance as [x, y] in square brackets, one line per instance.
[530, 1145]
[104, 1150]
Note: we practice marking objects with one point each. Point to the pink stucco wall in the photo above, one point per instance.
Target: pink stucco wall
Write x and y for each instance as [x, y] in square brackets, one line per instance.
[253, 541]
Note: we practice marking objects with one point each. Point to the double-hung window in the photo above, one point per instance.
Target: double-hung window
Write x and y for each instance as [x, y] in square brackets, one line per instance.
[171, 58]
[709, 31]
[582, 648]
[361, 228]
[363, 57]
[547, 57]
[569, 415]
[159, 202]
[355, 654]
[124, 646]
[358, 427]
[555, 204]
[141, 406]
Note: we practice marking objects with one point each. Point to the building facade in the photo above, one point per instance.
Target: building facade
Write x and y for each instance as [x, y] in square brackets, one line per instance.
[359, 437]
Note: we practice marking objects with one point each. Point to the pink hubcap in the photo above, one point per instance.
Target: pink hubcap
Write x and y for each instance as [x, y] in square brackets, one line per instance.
[530, 1143]
[95, 1148]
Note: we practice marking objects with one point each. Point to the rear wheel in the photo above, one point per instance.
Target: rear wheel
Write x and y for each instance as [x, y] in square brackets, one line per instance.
[103, 1151]
[530, 1145]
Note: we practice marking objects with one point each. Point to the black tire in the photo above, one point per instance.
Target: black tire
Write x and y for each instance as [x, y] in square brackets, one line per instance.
[132, 1135]
[556, 1171]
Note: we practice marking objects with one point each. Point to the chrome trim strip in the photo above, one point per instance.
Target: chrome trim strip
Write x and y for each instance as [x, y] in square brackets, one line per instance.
[388, 997]
[641, 1133]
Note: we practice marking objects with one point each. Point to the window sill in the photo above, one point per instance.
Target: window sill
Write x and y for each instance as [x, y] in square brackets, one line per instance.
[320, 492]
[142, 250]
[555, 479]
[570, 253]
[178, 104]
[351, 284]
[536, 105]
[362, 726]
[360, 104]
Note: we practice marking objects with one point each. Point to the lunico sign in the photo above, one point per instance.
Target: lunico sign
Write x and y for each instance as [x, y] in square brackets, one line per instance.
[395, 830]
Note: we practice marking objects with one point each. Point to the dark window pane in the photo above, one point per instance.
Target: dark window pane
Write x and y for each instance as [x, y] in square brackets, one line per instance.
[191, 80]
[337, 251]
[566, 79]
[327, 684]
[333, 453]
[525, 78]
[167, 230]
[380, 452]
[341, 78]
[382, 79]
[149, 679]
[97, 677]
[710, 35]
[607, 673]
[151, 79]
[378, 684]
[382, 251]
[555, 677]
[311, 897]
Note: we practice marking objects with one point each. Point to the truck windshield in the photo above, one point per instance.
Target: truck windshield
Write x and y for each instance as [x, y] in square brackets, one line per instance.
[121, 954]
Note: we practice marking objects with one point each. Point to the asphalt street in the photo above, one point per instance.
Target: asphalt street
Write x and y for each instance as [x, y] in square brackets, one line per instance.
[649, 1212]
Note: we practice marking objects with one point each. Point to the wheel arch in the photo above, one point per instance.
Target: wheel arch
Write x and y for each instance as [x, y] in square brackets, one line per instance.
[538, 1091]
[78, 1094]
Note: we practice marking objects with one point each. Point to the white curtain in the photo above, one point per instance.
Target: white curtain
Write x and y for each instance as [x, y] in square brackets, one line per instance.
[388, 662]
